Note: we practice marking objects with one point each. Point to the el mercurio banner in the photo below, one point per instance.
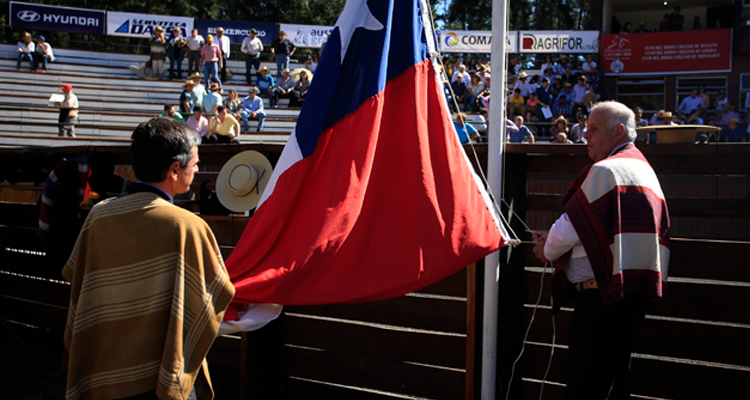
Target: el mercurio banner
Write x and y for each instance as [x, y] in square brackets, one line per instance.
[667, 53]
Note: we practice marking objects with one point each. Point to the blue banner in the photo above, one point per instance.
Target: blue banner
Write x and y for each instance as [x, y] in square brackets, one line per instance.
[68, 19]
[237, 31]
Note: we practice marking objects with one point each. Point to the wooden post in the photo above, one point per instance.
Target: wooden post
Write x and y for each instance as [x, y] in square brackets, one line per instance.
[471, 329]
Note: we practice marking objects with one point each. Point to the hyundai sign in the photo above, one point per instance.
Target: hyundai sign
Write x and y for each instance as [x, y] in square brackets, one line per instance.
[68, 19]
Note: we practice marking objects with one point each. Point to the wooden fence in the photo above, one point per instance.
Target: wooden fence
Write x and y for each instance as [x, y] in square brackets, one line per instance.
[423, 345]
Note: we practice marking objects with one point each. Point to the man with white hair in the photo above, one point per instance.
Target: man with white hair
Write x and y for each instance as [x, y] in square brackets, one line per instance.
[610, 250]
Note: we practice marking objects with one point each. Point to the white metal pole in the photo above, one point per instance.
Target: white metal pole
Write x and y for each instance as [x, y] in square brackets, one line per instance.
[495, 133]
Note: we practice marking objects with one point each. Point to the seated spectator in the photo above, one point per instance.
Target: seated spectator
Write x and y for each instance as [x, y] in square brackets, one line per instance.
[312, 62]
[532, 119]
[252, 108]
[694, 118]
[642, 28]
[169, 112]
[187, 104]
[523, 85]
[560, 126]
[223, 127]
[516, 103]
[548, 74]
[26, 50]
[532, 103]
[463, 73]
[704, 96]
[284, 87]
[721, 99]
[514, 70]
[578, 130]
[667, 117]
[233, 104]
[479, 121]
[460, 91]
[300, 90]
[658, 118]
[726, 114]
[568, 77]
[562, 108]
[690, 103]
[639, 121]
[466, 132]
[590, 70]
[198, 122]
[562, 138]
[522, 134]
[733, 132]
[483, 98]
[212, 100]
[557, 86]
[473, 91]
[265, 82]
[43, 54]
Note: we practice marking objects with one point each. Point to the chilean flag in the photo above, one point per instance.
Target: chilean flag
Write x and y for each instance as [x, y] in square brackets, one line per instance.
[373, 196]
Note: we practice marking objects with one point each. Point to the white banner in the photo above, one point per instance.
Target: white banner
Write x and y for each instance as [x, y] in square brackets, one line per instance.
[474, 42]
[313, 36]
[559, 42]
[142, 25]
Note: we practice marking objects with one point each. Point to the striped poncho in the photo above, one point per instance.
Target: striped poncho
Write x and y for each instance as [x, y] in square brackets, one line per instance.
[619, 212]
[148, 292]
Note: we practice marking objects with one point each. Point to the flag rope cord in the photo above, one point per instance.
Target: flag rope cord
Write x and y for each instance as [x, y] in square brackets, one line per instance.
[515, 240]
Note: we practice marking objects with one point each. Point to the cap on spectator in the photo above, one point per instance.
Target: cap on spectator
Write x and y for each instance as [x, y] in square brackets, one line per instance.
[253, 90]
[264, 68]
[158, 29]
[255, 31]
[285, 70]
[42, 38]
[219, 29]
[66, 87]
[210, 37]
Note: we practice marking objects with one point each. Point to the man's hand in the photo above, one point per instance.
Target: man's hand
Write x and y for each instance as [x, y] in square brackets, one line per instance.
[540, 237]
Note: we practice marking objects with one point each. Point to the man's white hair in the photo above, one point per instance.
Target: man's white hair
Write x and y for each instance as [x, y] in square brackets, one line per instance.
[617, 113]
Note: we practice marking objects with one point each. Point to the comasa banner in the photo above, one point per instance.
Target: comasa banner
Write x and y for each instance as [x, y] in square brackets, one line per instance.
[474, 42]
[142, 25]
[314, 36]
[668, 52]
[559, 42]
[237, 31]
[68, 19]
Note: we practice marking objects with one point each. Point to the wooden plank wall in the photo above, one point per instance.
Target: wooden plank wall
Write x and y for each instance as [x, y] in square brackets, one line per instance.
[696, 345]
[413, 346]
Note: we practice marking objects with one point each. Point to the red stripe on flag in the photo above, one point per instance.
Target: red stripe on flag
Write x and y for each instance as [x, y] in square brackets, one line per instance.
[384, 206]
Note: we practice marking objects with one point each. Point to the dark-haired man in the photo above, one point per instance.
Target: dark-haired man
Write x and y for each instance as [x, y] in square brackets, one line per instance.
[282, 49]
[148, 284]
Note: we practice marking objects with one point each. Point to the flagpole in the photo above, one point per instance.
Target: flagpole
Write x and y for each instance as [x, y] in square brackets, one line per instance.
[494, 176]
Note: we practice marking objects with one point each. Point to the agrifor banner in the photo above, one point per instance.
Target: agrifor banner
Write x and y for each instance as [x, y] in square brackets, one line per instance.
[559, 42]
[474, 42]
[68, 19]
[667, 52]
[237, 31]
[313, 36]
[142, 25]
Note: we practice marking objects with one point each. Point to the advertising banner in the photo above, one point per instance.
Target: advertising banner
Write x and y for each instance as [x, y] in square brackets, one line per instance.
[142, 25]
[237, 31]
[474, 42]
[67, 19]
[559, 42]
[313, 36]
[667, 52]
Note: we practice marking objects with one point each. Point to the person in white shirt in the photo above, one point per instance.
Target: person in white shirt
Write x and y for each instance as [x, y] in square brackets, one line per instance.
[461, 71]
[691, 103]
[252, 47]
[43, 54]
[224, 44]
[523, 85]
[194, 43]
[25, 50]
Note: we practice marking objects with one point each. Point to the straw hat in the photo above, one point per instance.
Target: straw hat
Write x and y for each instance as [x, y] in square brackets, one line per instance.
[522, 75]
[194, 75]
[242, 180]
[158, 29]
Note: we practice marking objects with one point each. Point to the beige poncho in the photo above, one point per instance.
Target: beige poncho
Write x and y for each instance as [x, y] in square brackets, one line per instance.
[148, 292]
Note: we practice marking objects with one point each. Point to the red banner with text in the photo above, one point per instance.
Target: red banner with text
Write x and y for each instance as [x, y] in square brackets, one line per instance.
[667, 52]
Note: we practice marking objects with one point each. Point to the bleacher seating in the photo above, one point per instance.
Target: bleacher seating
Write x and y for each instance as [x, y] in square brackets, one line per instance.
[112, 99]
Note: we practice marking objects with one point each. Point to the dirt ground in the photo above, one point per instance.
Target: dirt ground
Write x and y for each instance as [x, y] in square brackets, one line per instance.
[31, 363]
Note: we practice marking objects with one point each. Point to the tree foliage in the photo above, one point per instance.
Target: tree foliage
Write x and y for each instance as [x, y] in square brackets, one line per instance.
[525, 14]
